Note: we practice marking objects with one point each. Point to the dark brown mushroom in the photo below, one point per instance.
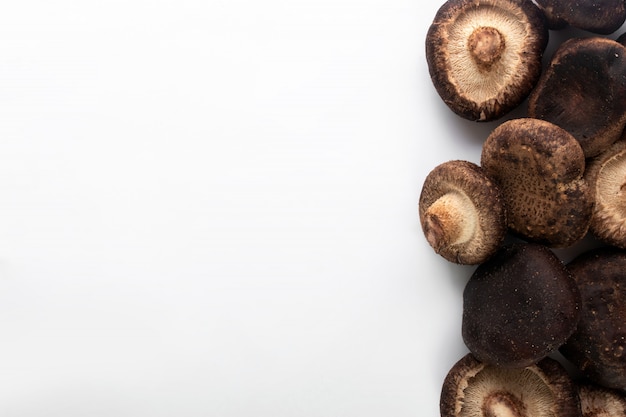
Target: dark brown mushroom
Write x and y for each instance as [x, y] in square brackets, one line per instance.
[461, 212]
[484, 57]
[598, 346]
[583, 90]
[473, 388]
[519, 306]
[598, 401]
[596, 16]
[606, 176]
[539, 168]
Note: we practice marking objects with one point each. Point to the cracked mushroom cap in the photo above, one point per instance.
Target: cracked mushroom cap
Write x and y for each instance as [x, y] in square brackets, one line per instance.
[583, 90]
[606, 175]
[598, 346]
[597, 401]
[473, 388]
[596, 16]
[519, 306]
[539, 168]
[484, 57]
[461, 212]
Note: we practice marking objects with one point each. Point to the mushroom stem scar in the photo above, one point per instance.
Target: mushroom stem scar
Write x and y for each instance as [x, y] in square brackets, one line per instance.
[502, 403]
[486, 46]
[450, 220]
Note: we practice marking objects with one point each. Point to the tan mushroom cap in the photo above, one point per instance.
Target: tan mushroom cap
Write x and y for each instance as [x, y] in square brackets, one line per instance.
[485, 57]
[606, 175]
[472, 388]
[461, 212]
[539, 168]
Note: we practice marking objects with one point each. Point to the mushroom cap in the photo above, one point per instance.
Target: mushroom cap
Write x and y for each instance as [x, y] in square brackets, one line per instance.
[597, 16]
[583, 90]
[598, 346]
[539, 168]
[519, 306]
[606, 176]
[473, 388]
[484, 57]
[598, 401]
[461, 212]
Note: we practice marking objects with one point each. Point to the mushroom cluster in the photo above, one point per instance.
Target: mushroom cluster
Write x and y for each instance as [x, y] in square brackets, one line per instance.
[545, 337]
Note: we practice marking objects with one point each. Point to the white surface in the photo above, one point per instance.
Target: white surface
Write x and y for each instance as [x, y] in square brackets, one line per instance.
[210, 209]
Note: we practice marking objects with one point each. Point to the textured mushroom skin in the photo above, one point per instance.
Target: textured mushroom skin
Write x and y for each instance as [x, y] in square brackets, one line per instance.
[513, 83]
[598, 346]
[519, 306]
[606, 175]
[539, 168]
[597, 16]
[468, 181]
[583, 90]
[551, 380]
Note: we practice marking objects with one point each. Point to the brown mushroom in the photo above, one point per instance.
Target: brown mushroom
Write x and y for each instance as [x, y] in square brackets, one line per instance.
[606, 176]
[598, 346]
[539, 168]
[598, 401]
[484, 57]
[596, 16]
[461, 212]
[519, 306]
[583, 90]
[473, 388]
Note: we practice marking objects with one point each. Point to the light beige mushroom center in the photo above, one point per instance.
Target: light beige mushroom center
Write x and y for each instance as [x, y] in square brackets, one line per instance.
[450, 220]
[500, 39]
[486, 45]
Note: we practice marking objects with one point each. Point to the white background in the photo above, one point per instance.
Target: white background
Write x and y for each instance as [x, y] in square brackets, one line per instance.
[209, 208]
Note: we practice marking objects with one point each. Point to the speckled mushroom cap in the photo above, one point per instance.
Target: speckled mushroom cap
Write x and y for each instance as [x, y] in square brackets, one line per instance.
[461, 212]
[484, 57]
[583, 90]
[519, 306]
[598, 346]
[473, 388]
[597, 16]
[606, 176]
[539, 168]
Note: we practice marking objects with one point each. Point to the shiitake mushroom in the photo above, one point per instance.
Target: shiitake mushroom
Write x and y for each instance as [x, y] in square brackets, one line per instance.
[583, 90]
[462, 213]
[519, 306]
[597, 347]
[484, 57]
[474, 388]
[539, 167]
